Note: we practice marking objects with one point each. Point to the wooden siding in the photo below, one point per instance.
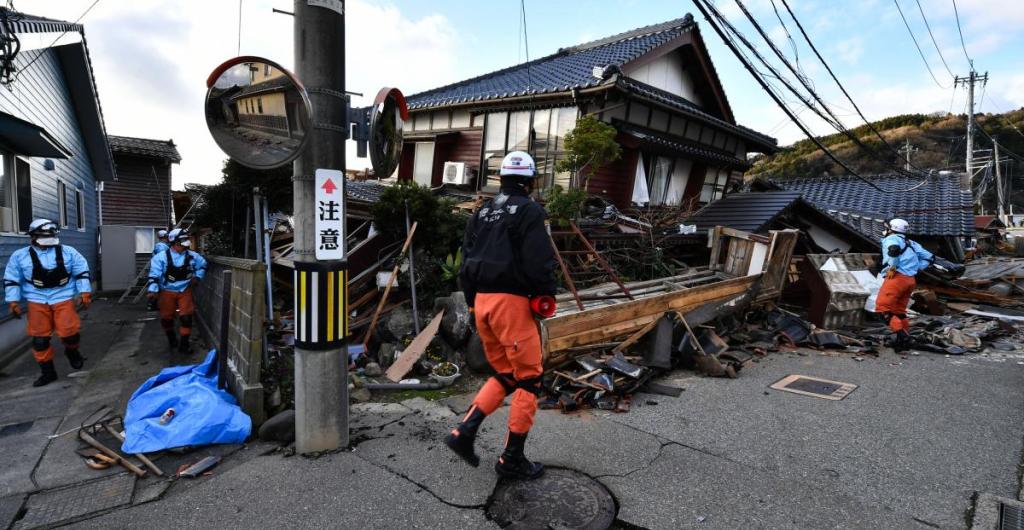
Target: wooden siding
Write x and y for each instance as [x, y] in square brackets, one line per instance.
[138, 198]
[463, 147]
[615, 181]
[40, 96]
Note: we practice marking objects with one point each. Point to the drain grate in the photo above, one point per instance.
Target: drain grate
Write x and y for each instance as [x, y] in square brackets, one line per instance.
[562, 498]
[814, 386]
[16, 428]
[1010, 517]
[66, 504]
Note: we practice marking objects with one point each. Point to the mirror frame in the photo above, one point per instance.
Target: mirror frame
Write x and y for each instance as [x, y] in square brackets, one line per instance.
[383, 95]
[219, 70]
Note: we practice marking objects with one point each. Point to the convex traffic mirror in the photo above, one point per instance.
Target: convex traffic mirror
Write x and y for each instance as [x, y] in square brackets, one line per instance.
[388, 114]
[257, 112]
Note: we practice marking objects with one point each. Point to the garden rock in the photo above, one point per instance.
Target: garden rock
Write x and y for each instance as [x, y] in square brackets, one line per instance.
[361, 395]
[400, 324]
[279, 428]
[372, 370]
[387, 353]
[456, 323]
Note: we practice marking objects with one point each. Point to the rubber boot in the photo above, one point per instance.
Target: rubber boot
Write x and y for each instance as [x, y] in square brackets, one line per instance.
[462, 437]
[49, 374]
[74, 358]
[513, 464]
[901, 341]
[172, 339]
[183, 347]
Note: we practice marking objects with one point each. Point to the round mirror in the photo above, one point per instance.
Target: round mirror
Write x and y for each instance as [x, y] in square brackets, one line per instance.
[257, 112]
[386, 118]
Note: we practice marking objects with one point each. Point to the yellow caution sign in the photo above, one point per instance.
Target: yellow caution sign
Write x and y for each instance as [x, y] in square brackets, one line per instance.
[321, 304]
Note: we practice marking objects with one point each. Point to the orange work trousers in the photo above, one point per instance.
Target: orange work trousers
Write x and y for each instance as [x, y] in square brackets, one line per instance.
[894, 298]
[170, 303]
[512, 343]
[44, 319]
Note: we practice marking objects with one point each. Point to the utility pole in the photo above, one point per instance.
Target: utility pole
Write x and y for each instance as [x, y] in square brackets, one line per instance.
[321, 375]
[908, 149]
[970, 81]
[999, 181]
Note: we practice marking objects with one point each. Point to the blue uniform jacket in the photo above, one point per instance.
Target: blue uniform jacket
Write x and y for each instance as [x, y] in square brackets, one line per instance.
[158, 271]
[911, 260]
[18, 276]
[159, 247]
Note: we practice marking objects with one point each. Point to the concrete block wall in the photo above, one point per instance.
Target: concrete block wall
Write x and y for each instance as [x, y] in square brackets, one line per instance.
[247, 313]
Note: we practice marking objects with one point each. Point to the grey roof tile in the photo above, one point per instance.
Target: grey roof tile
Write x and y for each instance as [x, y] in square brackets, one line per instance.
[164, 149]
[750, 212]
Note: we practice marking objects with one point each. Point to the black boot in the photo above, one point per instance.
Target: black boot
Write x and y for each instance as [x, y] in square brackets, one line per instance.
[901, 341]
[462, 437]
[49, 374]
[172, 339]
[74, 358]
[183, 347]
[513, 463]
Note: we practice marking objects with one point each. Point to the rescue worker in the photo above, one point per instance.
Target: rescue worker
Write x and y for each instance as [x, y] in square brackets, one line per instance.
[49, 275]
[160, 246]
[161, 242]
[902, 259]
[507, 259]
[172, 275]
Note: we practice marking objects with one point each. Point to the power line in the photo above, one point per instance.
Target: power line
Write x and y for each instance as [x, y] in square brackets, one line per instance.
[961, 32]
[1002, 116]
[44, 50]
[239, 51]
[704, 7]
[918, 46]
[928, 26]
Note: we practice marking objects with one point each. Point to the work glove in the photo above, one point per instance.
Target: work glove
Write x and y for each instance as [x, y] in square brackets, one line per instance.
[15, 309]
[86, 299]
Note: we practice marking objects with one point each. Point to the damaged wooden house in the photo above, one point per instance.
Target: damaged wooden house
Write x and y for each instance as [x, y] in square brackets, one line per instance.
[656, 84]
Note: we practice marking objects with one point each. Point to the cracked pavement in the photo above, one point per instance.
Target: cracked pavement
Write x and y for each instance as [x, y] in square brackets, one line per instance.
[908, 449]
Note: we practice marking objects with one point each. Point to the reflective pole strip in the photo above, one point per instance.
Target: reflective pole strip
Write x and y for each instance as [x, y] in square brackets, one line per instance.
[321, 299]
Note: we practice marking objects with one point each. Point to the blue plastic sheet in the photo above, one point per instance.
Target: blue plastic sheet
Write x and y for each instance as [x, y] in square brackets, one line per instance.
[203, 414]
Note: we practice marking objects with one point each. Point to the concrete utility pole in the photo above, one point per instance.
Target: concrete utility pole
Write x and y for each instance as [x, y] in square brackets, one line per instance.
[908, 149]
[321, 376]
[970, 81]
[999, 182]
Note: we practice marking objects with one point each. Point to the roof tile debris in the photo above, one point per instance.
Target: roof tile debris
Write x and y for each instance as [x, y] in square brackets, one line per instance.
[164, 149]
[750, 212]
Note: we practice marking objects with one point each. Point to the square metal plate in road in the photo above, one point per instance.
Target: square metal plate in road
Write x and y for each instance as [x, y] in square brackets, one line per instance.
[1010, 517]
[70, 503]
[814, 387]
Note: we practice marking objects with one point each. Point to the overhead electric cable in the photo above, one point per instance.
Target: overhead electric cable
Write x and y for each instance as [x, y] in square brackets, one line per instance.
[43, 51]
[956, 12]
[918, 46]
[929, 28]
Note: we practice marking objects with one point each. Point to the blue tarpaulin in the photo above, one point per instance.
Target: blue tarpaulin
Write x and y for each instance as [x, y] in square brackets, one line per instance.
[203, 414]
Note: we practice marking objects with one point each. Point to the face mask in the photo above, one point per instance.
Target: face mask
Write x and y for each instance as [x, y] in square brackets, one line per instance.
[48, 241]
[186, 244]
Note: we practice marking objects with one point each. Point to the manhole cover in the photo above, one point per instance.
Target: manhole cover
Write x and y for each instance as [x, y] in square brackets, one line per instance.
[64, 504]
[1010, 517]
[814, 386]
[562, 498]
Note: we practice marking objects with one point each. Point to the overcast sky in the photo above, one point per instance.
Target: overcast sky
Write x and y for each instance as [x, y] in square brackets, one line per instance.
[152, 57]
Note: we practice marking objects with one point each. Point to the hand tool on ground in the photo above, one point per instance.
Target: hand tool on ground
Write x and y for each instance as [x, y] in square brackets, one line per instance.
[142, 458]
[87, 438]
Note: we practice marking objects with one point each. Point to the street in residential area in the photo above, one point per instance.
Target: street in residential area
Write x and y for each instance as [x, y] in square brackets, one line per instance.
[388, 264]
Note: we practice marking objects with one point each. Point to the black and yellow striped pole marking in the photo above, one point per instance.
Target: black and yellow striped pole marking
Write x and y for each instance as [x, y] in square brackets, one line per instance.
[321, 304]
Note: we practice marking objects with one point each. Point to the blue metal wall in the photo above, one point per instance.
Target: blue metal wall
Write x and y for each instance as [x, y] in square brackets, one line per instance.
[40, 95]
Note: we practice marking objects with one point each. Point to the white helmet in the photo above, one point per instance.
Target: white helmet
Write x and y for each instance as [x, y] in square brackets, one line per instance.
[177, 233]
[42, 227]
[518, 163]
[161, 234]
[899, 226]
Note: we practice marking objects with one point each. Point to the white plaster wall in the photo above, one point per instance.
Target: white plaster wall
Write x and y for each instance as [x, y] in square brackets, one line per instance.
[666, 73]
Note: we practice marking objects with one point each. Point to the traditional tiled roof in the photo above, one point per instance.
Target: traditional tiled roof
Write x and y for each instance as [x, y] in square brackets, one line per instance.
[25, 23]
[938, 206]
[564, 70]
[364, 190]
[682, 146]
[765, 143]
[750, 212]
[164, 149]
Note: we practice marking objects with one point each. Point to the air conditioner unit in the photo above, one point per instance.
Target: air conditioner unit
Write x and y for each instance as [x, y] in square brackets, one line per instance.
[7, 219]
[455, 173]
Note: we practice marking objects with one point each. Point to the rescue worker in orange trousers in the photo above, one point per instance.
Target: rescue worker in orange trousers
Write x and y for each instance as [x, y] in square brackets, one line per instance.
[172, 275]
[902, 259]
[507, 259]
[49, 276]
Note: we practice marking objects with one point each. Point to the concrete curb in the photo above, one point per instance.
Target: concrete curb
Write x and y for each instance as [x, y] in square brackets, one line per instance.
[986, 511]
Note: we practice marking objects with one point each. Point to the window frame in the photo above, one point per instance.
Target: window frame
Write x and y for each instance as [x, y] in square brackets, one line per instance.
[80, 209]
[9, 163]
[259, 105]
[489, 180]
[62, 205]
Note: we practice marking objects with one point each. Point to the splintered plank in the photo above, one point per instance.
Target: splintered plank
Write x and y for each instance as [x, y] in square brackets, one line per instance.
[414, 350]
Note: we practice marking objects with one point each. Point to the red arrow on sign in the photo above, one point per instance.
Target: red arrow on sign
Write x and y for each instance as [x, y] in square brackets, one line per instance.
[329, 186]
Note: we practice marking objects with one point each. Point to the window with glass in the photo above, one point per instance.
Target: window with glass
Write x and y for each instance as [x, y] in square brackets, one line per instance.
[80, 209]
[62, 203]
[145, 239]
[15, 194]
[539, 132]
[659, 171]
[259, 105]
[714, 185]
[423, 164]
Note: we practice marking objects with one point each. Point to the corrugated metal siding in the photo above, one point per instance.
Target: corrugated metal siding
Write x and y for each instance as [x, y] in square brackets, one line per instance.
[137, 198]
[41, 96]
